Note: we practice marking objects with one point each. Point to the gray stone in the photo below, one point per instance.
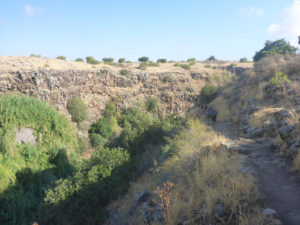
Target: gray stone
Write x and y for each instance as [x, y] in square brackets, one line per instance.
[26, 135]
[284, 131]
[285, 114]
[252, 109]
[143, 196]
[270, 212]
[295, 147]
[253, 132]
[219, 210]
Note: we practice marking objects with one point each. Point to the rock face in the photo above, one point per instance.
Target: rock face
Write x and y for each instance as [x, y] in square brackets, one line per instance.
[96, 87]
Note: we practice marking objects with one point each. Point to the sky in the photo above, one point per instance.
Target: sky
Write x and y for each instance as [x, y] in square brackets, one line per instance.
[172, 29]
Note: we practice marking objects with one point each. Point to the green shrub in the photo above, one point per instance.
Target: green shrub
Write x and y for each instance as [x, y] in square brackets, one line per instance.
[79, 60]
[279, 79]
[35, 55]
[91, 60]
[191, 60]
[77, 109]
[108, 60]
[61, 57]
[153, 64]
[185, 67]
[151, 104]
[243, 60]
[46, 65]
[143, 65]
[161, 60]
[233, 65]
[212, 58]
[280, 47]
[93, 186]
[97, 140]
[124, 73]
[102, 127]
[143, 59]
[121, 60]
[208, 93]
[193, 63]
[27, 170]
[207, 66]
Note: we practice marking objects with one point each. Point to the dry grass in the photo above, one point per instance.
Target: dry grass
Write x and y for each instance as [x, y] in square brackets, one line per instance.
[263, 115]
[297, 162]
[201, 172]
[224, 112]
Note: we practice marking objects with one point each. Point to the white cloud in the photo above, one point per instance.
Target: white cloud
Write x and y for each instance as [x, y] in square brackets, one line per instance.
[251, 11]
[289, 28]
[32, 11]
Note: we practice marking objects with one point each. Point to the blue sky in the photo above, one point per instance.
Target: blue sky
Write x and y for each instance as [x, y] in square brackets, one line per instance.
[172, 29]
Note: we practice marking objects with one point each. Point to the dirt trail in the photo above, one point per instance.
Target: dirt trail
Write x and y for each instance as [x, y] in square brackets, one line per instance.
[280, 187]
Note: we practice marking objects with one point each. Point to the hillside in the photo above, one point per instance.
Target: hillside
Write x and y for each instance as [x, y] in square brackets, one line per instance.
[176, 89]
[148, 154]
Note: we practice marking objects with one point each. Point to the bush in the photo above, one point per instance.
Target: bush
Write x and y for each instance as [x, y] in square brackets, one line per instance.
[208, 93]
[153, 64]
[161, 60]
[143, 65]
[151, 104]
[191, 60]
[128, 61]
[97, 140]
[102, 127]
[121, 60]
[124, 73]
[279, 79]
[212, 58]
[61, 57]
[77, 109]
[193, 63]
[35, 55]
[91, 60]
[78, 60]
[143, 59]
[207, 66]
[185, 66]
[280, 47]
[110, 60]
[243, 60]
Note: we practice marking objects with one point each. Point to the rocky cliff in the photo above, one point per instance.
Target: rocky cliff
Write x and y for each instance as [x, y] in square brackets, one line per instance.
[176, 89]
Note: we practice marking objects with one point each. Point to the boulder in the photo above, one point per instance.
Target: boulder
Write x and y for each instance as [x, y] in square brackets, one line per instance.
[25, 135]
[286, 130]
[270, 212]
[295, 147]
[253, 132]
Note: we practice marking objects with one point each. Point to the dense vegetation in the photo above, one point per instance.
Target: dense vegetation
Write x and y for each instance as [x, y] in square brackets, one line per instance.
[27, 170]
[281, 47]
[120, 140]
[50, 183]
